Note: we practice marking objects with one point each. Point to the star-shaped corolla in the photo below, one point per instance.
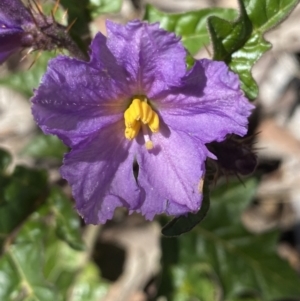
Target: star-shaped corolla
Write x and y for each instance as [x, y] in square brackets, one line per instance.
[137, 121]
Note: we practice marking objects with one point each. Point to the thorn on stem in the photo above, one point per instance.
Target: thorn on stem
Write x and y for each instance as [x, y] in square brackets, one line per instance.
[71, 25]
[35, 59]
[55, 7]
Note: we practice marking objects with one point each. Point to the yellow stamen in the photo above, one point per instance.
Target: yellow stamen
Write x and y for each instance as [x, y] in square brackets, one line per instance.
[130, 121]
[136, 109]
[149, 117]
[154, 123]
[131, 132]
[145, 111]
[140, 114]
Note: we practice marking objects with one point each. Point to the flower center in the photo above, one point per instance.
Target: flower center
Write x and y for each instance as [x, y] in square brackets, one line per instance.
[140, 115]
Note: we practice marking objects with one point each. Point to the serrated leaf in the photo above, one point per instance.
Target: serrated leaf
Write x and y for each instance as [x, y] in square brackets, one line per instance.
[45, 146]
[99, 7]
[242, 262]
[25, 81]
[233, 43]
[67, 220]
[191, 26]
[183, 224]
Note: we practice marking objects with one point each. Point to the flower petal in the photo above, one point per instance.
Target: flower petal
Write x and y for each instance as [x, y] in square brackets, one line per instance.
[13, 14]
[209, 105]
[171, 174]
[77, 98]
[101, 175]
[154, 58]
[9, 43]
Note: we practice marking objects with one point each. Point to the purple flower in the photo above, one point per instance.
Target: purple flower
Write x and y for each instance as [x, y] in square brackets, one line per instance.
[137, 121]
[13, 18]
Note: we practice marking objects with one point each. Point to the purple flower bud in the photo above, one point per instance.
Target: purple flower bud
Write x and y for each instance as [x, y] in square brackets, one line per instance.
[22, 27]
[13, 16]
[27, 40]
[235, 155]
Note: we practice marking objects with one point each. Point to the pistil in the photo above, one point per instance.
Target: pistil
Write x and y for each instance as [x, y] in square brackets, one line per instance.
[148, 142]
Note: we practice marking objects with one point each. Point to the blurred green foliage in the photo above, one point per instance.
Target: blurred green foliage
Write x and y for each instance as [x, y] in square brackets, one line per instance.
[45, 147]
[43, 255]
[24, 81]
[99, 7]
[221, 258]
[20, 194]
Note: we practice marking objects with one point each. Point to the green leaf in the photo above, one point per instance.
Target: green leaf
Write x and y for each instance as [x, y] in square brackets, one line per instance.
[99, 7]
[24, 259]
[5, 160]
[191, 26]
[20, 194]
[247, 299]
[221, 258]
[79, 12]
[45, 146]
[21, 274]
[88, 285]
[37, 265]
[75, 276]
[66, 219]
[24, 81]
[182, 224]
[184, 279]
[228, 37]
[243, 263]
[241, 43]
